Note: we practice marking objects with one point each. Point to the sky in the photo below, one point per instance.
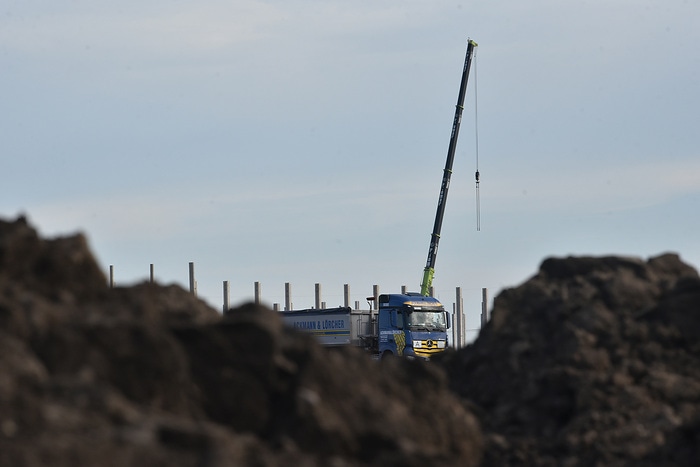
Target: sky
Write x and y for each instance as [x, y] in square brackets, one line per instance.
[305, 141]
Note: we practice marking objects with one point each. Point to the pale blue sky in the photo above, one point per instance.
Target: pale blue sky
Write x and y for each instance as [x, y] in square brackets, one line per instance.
[304, 141]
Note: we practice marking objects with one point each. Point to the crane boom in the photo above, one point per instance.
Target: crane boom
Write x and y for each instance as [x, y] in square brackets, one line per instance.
[429, 270]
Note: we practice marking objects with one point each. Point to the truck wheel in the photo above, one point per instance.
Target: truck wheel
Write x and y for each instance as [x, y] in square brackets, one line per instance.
[387, 354]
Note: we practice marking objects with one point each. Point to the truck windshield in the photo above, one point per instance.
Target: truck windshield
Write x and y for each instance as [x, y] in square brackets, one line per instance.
[427, 321]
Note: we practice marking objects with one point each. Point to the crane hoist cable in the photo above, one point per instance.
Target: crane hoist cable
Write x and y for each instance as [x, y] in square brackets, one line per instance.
[476, 139]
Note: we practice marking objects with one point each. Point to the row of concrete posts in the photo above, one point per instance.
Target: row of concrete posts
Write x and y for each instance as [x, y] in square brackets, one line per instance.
[459, 330]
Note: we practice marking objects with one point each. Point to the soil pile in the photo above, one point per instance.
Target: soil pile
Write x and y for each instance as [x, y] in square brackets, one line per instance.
[150, 375]
[593, 361]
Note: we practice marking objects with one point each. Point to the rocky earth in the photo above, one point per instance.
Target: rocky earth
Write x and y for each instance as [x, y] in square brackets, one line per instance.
[149, 375]
[592, 361]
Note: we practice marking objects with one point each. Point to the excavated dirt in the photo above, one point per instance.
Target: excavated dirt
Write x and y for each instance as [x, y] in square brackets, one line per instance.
[593, 361]
[150, 375]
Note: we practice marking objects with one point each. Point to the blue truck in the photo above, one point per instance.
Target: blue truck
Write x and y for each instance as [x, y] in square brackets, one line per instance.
[409, 325]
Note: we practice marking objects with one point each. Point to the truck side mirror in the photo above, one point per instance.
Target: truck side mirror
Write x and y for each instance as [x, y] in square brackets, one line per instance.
[447, 316]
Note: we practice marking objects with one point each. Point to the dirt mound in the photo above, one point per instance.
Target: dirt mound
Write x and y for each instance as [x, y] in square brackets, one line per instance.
[593, 361]
[150, 375]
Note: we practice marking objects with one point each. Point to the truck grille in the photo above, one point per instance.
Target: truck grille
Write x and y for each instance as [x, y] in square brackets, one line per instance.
[428, 347]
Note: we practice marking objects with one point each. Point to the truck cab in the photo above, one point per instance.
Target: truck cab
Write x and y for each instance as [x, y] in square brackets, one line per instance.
[412, 325]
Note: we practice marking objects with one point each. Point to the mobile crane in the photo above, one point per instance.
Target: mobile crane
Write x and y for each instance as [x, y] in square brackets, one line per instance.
[412, 325]
[429, 270]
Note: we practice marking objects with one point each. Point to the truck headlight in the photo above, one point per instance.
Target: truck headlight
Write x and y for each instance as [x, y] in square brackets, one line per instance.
[416, 344]
[441, 344]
